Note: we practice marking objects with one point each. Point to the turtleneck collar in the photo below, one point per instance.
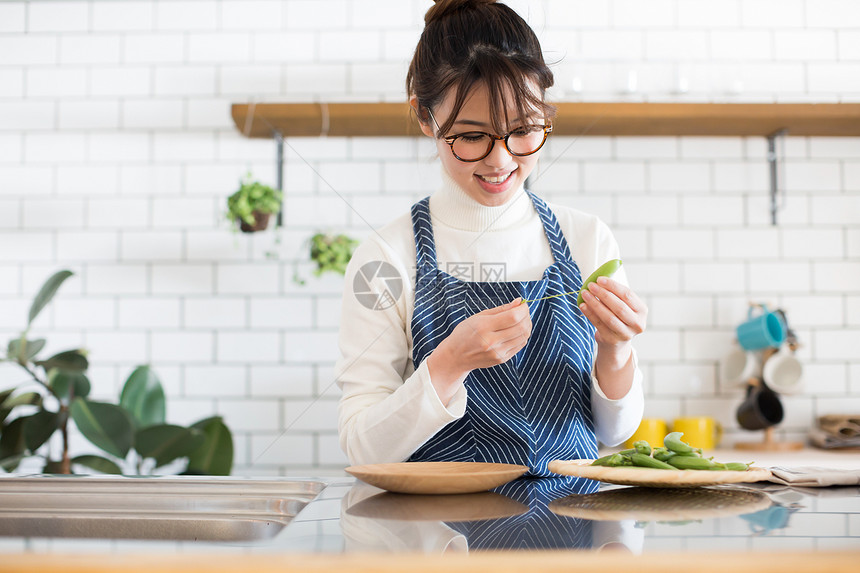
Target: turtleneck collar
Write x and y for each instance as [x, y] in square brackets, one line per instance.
[454, 208]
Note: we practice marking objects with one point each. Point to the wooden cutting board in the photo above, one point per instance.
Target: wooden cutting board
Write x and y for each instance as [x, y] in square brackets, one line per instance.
[648, 477]
[437, 477]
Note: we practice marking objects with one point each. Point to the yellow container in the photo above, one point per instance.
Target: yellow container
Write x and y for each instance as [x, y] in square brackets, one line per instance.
[699, 431]
[652, 430]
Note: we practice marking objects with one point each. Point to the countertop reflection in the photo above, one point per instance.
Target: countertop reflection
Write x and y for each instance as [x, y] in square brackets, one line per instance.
[351, 517]
[579, 514]
[516, 515]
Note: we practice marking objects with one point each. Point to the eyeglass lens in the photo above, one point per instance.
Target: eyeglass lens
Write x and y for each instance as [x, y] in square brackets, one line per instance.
[475, 145]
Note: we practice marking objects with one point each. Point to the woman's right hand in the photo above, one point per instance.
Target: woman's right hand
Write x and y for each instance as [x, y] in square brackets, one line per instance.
[485, 339]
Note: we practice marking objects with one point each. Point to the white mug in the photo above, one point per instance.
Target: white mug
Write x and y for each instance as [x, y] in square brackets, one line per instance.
[783, 372]
[738, 366]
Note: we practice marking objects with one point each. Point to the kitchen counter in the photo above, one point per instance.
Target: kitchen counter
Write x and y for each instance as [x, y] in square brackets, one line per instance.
[555, 524]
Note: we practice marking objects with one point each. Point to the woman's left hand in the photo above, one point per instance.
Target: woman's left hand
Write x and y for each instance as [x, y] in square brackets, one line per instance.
[615, 310]
[617, 315]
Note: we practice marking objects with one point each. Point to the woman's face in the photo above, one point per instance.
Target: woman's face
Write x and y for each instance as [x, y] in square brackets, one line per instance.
[493, 180]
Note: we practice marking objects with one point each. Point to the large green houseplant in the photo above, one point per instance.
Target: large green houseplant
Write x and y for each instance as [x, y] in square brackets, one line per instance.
[251, 206]
[133, 431]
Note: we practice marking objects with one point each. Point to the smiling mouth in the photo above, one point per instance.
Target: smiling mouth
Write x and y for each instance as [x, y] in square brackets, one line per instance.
[497, 179]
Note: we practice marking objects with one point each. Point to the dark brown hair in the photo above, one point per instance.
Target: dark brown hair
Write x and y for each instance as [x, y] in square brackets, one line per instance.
[467, 42]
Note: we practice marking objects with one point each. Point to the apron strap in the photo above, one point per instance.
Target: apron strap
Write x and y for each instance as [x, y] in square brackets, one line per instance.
[425, 245]
[557, 243]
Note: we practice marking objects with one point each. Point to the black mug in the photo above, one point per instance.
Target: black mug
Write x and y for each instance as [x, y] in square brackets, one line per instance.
[761, 409]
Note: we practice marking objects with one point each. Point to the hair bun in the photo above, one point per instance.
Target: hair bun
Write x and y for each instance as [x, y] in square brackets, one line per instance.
[442, 8]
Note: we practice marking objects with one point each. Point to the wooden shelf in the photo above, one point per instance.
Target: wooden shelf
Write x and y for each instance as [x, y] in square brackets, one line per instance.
[319, 119]
[264, 120]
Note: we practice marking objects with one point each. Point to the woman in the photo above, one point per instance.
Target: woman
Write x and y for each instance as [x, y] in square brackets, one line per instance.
[486, 362]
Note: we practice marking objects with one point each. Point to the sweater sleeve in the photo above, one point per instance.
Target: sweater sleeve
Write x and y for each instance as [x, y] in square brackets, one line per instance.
[386, 410]
[614, 420]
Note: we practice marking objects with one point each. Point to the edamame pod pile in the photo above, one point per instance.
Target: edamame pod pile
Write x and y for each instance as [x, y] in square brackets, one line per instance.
[673, 455]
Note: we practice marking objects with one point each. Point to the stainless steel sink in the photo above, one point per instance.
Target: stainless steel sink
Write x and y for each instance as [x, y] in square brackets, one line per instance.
[175, 508]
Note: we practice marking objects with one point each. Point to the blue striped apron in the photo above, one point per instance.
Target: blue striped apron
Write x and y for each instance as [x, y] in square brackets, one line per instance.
[534, 408]
[539, 527]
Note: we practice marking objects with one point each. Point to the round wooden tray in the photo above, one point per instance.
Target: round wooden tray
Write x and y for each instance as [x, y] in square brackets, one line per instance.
[663, 504]
[648, 477]
[437, 477]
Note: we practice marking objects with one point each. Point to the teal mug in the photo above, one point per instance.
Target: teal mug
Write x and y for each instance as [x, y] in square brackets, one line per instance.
[762, 331]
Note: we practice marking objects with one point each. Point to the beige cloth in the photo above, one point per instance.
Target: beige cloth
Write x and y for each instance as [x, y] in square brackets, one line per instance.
[836, 431]
[825, 440]
[814, 476]
[841, 425]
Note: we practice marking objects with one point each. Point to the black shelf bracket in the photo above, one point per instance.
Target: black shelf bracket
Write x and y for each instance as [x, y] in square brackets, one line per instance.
[279, 143]
[773, 161]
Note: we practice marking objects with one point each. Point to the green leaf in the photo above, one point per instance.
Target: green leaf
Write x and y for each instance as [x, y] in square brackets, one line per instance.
[46, 293]
[5, 394]
[143, 397]
[24, 399]
[30, 350]
[11, 463]
[70, 360]
[97, 463]
[167, 442]
[107, 426]
[4, 411]
[215, 456]
[69, 385]
[12, 446]
[39, 427]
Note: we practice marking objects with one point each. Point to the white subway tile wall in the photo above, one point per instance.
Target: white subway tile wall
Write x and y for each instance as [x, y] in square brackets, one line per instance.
[117, 152]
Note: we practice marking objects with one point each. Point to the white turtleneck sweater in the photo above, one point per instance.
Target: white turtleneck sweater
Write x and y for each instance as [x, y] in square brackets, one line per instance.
[389, 408]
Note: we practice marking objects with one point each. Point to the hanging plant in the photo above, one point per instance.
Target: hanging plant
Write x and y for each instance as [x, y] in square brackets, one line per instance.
[329, 253]
[253, 204]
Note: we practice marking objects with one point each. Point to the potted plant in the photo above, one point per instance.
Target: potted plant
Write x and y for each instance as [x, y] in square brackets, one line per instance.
[253, 204]
[330, 253]
[56, 392]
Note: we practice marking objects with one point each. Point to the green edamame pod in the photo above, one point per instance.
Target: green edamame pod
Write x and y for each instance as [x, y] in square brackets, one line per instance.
[673, 442]
[737, 466]
[645, 461]
[642, 447]
[663, 454]
[607, 269]
[692, 463]
[617, 460]
[601, 461]
[694, 452]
